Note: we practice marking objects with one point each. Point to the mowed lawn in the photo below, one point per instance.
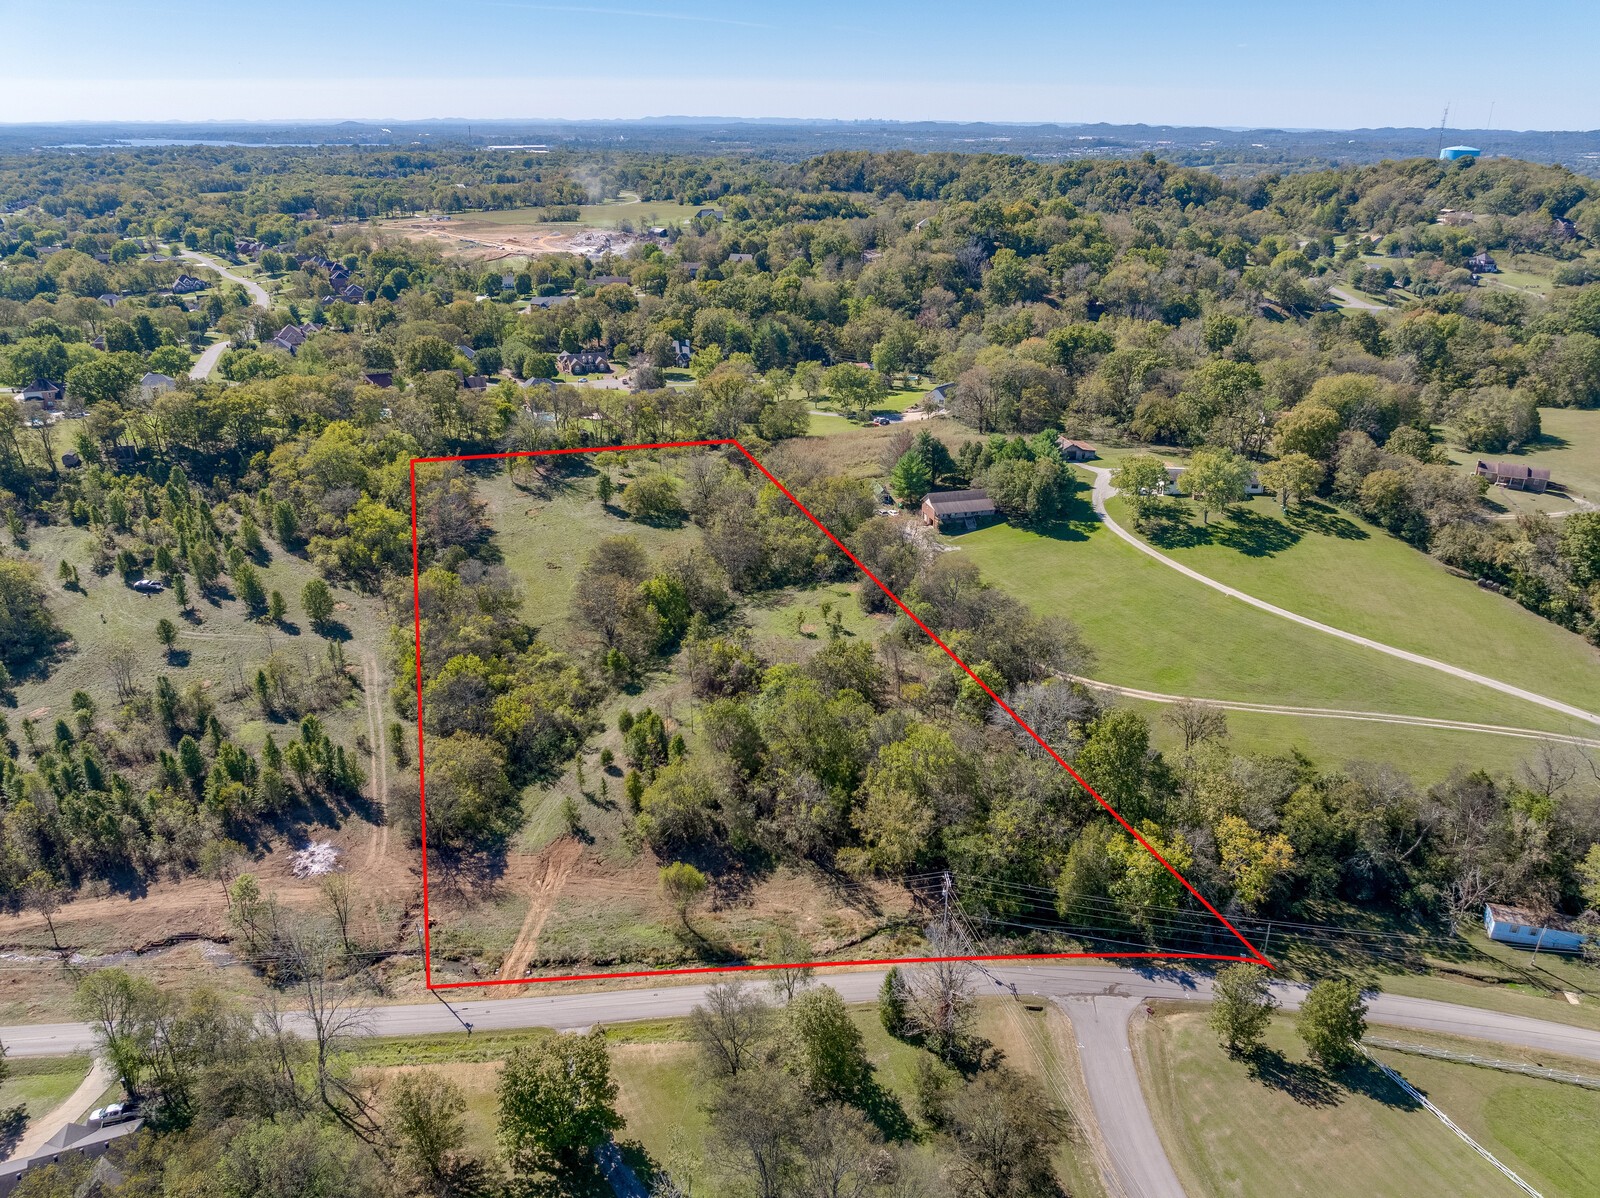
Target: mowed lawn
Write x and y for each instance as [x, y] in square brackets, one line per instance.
[1154, 629]
[1568, 446]
[1329, 565]
[41, 1084]
[1427, 755]
[1291, 1129]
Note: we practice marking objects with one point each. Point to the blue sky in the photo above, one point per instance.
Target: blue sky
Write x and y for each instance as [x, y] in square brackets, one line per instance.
[1238, 62]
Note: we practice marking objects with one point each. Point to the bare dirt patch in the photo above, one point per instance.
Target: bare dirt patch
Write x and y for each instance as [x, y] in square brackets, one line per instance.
[488, 241]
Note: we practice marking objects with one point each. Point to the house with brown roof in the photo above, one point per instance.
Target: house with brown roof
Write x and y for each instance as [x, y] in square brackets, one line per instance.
[586, 362]
[964, 508]
[1515, 475]
[1075, 451]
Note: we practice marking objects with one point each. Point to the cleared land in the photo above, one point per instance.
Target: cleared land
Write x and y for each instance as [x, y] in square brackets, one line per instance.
[1281, 1126]
[525, 232]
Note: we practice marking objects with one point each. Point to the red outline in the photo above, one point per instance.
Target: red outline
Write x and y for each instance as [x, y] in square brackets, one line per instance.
[1255, 957]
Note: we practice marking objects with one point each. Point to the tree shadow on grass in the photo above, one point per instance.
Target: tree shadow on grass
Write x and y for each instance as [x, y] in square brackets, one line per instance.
[1254, 535]
[881, 1105]
[13, 1122]
[1305, 1083]
[1365, 1078]
[1311, 515]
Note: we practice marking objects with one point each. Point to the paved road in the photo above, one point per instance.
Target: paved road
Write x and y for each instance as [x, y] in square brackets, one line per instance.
[1138, 1158]
[208, 361]
[258, 293]
[1354, 301]
[1338, 713]
[1103, 490]
[1099, 999]
[1050, 981]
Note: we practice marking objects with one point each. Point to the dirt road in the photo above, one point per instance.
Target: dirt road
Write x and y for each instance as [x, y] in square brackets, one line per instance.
[1339, 713]
[1103, 490]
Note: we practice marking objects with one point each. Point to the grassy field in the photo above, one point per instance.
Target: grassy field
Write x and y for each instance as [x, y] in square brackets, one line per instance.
[1428, 755]
[1569, 447]
[1330, 565]
[1544, 1131]
[41, 1084]
[1291, 1129]
[1154, 629]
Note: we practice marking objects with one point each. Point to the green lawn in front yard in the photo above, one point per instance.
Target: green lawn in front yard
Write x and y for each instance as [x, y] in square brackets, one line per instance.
[1291, 1128]
[1154, 629]
[42, 1083]
[1330, 565]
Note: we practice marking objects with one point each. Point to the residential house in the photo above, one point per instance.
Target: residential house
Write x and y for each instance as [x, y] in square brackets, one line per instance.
[153, 384]
[476, 382]
[681, 353]
[1175, 481]
[965, 508]
[291, 337]
[1515, 475]
[467, 352]
[184, 284]
[741, 257]
[74, 1142]
[1482, 264]
[44, 391]
[108, 299]
[607, 280]
[1519, 926]
[709, 213]
[939, 397]
[585, 362]
[549, 301]
[353, 293]
[1075, 451]
[378, 378]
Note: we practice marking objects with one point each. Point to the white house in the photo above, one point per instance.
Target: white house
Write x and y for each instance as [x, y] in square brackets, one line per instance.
[1519, 926]
[1175, 482]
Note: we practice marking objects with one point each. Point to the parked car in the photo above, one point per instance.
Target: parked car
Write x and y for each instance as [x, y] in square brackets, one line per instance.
[149, 586]
[881, 420]
[108, 1116]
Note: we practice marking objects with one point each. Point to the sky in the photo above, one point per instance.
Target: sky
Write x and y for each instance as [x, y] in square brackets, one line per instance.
[1181, 62]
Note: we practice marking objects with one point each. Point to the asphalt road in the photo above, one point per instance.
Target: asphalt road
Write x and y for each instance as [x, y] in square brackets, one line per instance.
[1138, 1158]
[207, 362]
[258, 293]
[1103, 490]
[568, 1011]
[1097, 998]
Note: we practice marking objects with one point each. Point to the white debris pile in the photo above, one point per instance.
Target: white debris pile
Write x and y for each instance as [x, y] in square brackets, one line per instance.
[317, 858]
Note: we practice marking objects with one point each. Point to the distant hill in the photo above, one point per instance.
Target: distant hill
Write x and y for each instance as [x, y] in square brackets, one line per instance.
[1235, 149]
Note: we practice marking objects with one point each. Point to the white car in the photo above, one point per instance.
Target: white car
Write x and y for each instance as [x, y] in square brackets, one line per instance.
[149, 586]
[117, 1112]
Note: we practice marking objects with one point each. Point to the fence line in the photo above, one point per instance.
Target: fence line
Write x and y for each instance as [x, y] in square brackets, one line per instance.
[1448, 1122]
[1467, 1058]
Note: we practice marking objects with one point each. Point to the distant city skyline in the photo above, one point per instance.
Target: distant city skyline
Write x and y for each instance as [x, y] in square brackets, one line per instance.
[1242, 64]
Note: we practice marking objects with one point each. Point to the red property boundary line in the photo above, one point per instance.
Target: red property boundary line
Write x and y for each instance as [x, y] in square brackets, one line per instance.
[1255, 957]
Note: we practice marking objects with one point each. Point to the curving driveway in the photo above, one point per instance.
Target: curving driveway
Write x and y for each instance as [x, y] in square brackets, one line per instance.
[258, 293]
[1103, 490]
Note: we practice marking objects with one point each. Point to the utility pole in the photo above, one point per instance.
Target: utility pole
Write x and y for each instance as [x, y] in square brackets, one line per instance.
[421, 946]
[1442, 122]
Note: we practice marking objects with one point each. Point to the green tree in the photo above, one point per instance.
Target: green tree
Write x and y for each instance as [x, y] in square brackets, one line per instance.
[682, 885]
[1241, 1006]
[825, 1046]
[167, 634]
[317, 599]
[892, 1003]
[1216, 480]
[1141, 480]
[604, 488]
[911, 479]
[422, 1119]
[652, 498]
[556, 1103]
[1332, 1020]
[1292, 477]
